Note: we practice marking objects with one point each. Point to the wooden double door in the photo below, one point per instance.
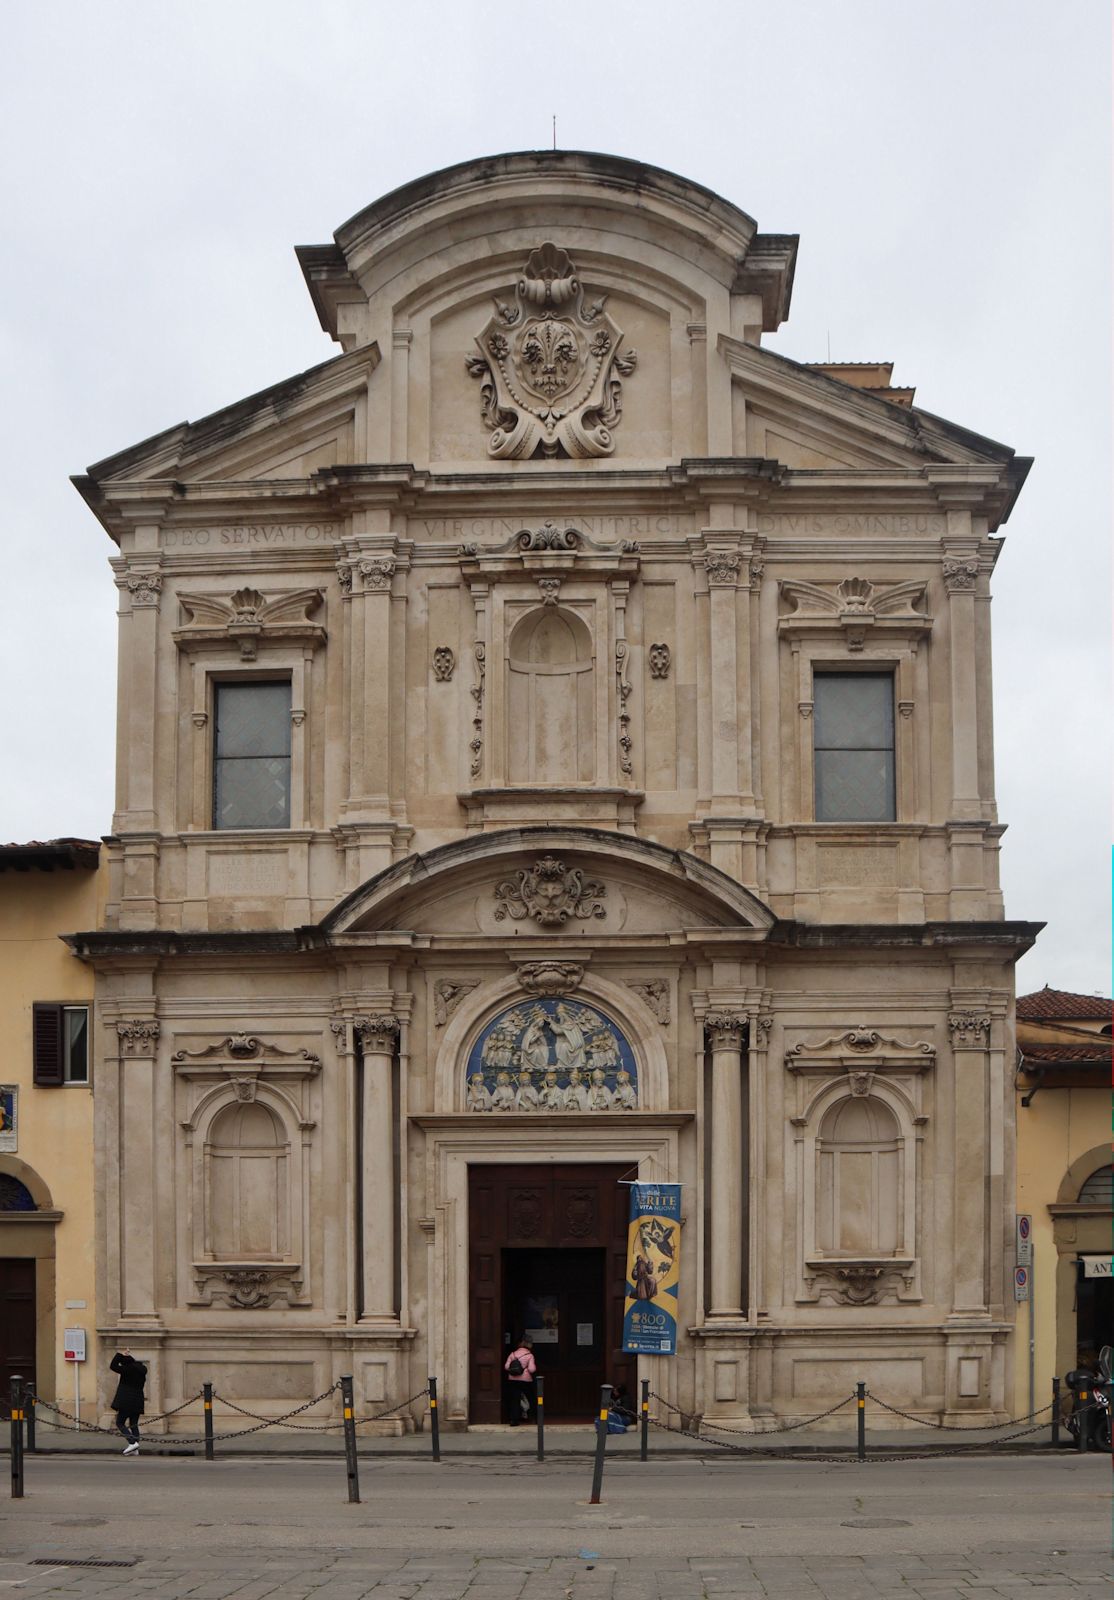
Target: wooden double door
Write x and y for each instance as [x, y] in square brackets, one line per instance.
[547, 1257]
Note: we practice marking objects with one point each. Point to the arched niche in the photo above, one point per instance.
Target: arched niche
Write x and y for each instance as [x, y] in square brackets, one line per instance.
[632, 1020]
[551, 714]
[247, 1187]
[247, 1145]
[857, 1170]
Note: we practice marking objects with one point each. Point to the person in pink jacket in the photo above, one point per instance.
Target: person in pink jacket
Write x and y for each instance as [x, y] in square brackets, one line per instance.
[519, 1371]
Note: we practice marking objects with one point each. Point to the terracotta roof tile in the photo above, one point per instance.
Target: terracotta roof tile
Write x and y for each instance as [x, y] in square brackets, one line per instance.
[1060, 1004]
[1052, 1054]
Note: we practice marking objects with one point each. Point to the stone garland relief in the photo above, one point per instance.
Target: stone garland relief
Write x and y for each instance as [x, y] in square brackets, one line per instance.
[551, 1055]
[550, 894]
[550, 367]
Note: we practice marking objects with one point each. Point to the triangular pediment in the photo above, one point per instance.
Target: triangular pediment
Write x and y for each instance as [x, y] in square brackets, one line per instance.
[289, 430]
[808, 420]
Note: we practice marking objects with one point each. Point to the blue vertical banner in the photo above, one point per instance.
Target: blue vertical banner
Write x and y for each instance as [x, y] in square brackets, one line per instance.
[653, 1269]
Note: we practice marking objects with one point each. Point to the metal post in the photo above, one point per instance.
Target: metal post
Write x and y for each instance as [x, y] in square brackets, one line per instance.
[434, 1420]
[1055, 1440]
[860, 1405]
[29, 1413]
[17, 1437]
[350, 1463]
[207, 1397]
[1083, 1420]
[601, 1443]
[540, 1382]
[644, 1451]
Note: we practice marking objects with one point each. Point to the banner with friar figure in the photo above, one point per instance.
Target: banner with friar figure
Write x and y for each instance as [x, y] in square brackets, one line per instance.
[653, 1269]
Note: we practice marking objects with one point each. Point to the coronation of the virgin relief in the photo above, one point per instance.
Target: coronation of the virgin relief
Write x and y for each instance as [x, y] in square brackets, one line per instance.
[555, 748]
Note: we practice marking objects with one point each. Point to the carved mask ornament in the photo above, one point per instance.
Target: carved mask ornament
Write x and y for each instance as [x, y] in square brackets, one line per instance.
[550, 367]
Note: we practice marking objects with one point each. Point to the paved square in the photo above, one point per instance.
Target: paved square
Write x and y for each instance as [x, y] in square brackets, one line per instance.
[489, 1529]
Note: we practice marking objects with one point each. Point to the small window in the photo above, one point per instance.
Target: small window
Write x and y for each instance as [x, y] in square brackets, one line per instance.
[1098, 1189]
[854, 746]
[75, 1044]
[60, 1044]
[251, 755]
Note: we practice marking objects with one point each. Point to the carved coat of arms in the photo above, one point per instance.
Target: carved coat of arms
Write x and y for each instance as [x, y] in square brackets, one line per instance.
[549, 894]
[550, 367]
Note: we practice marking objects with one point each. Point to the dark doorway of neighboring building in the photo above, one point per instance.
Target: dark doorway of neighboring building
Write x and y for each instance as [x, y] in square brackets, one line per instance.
[547, 1252]
[557, 1297]
[1094, 1318]
[17, 1324]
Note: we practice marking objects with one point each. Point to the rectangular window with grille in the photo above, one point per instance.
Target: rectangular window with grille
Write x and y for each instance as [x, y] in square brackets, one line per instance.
[251, 755]
[853, 723]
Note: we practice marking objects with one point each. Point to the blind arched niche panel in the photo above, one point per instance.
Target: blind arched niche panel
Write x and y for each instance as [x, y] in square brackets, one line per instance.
[551, 720]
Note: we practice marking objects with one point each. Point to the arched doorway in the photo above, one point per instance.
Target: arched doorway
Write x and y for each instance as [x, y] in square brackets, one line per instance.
[27, 1294]
[1082, 1216]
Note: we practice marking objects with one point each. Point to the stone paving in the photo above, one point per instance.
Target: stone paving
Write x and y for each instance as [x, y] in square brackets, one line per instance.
[682, 1530]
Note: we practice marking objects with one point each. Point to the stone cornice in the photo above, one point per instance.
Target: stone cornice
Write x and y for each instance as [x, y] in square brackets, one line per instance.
[99, 946]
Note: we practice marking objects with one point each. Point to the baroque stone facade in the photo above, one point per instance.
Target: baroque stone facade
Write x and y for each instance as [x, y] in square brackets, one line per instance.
[558, 586]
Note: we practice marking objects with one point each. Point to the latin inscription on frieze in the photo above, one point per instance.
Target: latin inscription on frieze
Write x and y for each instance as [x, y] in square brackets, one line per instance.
[251, 533]
[862, 523]
[672, 525]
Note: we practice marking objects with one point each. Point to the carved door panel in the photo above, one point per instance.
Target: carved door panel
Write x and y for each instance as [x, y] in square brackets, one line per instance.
[547, 1239]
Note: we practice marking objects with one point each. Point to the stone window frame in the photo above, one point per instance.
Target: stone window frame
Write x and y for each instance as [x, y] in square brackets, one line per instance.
[210, 666]
[810, 657]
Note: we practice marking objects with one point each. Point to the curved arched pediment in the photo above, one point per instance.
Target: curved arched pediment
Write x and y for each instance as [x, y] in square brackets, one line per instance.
[549, 881]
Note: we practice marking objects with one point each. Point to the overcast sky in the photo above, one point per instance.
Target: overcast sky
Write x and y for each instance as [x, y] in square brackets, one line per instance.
[945, 163]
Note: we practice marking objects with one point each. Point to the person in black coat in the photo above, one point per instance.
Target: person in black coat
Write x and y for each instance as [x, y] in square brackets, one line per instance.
[127, 1402]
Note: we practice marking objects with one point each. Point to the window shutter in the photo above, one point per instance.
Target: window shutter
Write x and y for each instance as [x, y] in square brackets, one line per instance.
[46, 1030]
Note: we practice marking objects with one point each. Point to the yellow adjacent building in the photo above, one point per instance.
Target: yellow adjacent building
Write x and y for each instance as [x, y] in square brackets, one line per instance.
[46, 1119]
[1064, 1184]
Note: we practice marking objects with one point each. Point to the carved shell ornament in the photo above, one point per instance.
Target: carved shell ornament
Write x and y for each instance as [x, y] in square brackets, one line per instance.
[550, 367]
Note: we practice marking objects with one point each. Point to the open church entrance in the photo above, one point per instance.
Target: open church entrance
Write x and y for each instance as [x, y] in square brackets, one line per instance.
[547, 1255]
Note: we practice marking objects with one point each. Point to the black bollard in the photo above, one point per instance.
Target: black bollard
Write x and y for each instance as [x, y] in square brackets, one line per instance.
[207, 1397]
[860, 1397]
[1055, 1440]
[644, 1449]
[434, 1420]
[1083, 1422]
[601, 1443]
[350, 1463]
[541, 1416]
[17, 1437]
[29, 1417]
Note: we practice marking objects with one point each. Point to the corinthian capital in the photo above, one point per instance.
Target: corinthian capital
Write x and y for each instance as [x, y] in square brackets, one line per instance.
[726, 1029]
[376, 1033]
[138, 1037]
[969, 1030]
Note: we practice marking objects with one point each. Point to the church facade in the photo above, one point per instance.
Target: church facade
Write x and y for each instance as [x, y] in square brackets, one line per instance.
[555, 749]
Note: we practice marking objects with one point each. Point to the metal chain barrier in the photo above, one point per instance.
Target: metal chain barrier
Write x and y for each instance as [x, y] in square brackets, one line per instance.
[92, 1427]
[839, 1460]
[958, 1427]
[777, 1427]
[312, 1427]
[266, 1422]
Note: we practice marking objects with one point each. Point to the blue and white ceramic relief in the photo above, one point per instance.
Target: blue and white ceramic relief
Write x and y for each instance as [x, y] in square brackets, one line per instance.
[552, 1055]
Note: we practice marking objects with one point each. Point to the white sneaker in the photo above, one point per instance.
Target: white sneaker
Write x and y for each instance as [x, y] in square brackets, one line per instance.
[131, 1449]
